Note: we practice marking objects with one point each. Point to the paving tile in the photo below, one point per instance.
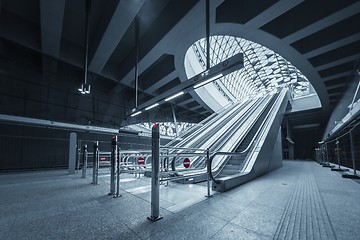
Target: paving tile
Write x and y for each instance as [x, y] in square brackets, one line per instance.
[260, 219]
[235, 232]
[55, 205]
[195, 226]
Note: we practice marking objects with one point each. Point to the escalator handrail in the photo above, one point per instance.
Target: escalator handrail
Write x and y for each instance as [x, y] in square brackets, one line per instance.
[271, 112]
[211, 159]
[249, 127]
[228, 115]
[250, 144]
[217, 119]
[205, 123]
[250, 107]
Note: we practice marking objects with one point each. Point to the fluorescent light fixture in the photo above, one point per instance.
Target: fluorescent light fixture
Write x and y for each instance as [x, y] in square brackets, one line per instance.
[208, 80]
[134, 114]
[85, 88]
[174, 96]
[152, 106]
[81, 89]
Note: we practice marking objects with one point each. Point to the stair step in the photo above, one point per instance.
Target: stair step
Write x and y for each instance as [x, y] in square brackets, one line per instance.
[229, 171]
[231, 167]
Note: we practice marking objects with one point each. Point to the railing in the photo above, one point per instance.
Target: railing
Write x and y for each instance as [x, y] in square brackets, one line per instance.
[343, 150]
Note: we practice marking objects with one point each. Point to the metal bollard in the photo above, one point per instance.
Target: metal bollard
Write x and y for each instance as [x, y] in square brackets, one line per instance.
[155, 165]
[113, 164]
[327, 155]
[352, 152]
[208, 175]
[96, 163]
[118, 158]
[337, 152]
[84, 160]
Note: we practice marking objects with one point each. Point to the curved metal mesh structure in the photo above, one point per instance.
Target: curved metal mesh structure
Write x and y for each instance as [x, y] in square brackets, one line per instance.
[263, 69]
[168, 128]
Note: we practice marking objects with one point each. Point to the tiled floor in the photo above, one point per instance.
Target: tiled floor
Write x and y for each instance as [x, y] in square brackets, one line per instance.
[301, 200]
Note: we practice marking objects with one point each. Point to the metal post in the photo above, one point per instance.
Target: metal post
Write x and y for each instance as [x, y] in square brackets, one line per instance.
[85, 158]
[337, 153]
[155, 183]
[113, 163]
[175, 121]
[96, 163]
[78, 156]
[338, 169]
[352, 152]
[208, 170]
[118, 158]
[137, 60]
[87, 27]
[327, 155]
[207, 15]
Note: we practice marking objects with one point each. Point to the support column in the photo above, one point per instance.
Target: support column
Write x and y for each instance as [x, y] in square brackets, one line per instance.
[175, 121]
[72, 153]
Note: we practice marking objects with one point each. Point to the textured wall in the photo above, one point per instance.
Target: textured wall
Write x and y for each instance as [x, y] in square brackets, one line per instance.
[24, 147]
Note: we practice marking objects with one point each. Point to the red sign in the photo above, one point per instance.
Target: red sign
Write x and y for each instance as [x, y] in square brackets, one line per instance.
[141, 160]
[102, 158]
[186, 163]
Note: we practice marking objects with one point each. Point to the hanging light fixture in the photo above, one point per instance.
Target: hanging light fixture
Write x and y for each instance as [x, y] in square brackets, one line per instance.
[85, 87]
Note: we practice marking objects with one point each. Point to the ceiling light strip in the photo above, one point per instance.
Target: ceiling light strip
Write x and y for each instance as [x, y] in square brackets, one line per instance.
[174, 96]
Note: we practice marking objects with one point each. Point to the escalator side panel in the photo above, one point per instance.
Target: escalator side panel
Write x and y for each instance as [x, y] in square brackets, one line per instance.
[262, 160]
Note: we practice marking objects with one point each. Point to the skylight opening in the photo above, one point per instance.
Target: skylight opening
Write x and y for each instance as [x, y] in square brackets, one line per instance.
[263, 71]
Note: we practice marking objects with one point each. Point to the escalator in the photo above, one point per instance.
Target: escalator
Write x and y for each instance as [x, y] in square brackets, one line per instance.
[262, 145]
[216, 136]
[227, 139]
[235, 163]
[197, 138]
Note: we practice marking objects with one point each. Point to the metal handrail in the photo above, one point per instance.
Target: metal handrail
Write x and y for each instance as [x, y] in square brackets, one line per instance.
[183, 148]
[211, 123]
[343, 134]
[212, 157]
[257, 132]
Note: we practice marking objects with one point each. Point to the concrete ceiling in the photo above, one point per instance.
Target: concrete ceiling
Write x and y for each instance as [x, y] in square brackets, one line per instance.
[321, 38]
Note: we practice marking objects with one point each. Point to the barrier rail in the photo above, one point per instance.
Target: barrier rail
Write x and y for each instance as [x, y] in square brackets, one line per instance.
[343, 151]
